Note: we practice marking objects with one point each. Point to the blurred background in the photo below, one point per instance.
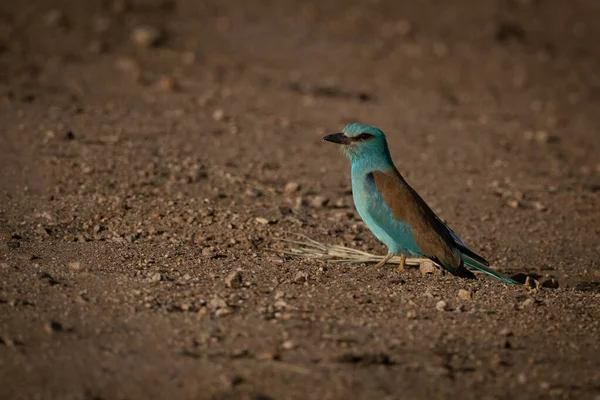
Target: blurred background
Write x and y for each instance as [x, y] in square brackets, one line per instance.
[148, 148]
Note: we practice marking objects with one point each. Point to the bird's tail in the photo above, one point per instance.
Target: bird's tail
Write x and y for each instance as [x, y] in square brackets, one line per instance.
[474, 261]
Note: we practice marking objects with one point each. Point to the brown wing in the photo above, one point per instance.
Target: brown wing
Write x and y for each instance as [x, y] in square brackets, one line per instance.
[430, 234]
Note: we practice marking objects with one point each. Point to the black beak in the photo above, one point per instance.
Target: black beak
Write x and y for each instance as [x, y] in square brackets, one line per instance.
[339, 138]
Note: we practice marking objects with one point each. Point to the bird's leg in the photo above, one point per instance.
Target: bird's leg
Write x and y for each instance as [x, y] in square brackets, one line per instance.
[402, 262]
[384, 260]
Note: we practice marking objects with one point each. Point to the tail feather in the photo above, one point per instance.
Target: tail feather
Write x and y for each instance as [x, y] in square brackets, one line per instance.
[482, 265]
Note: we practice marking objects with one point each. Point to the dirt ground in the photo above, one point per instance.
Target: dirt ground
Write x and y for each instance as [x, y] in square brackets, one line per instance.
[150, 149]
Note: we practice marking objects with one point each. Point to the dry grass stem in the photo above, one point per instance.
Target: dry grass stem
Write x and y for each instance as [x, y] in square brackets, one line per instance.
[305, 247]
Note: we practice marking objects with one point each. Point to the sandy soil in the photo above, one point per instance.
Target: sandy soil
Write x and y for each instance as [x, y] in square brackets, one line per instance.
[151, 149]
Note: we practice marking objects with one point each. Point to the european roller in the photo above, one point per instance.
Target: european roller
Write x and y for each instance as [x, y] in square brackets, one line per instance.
[393, 210]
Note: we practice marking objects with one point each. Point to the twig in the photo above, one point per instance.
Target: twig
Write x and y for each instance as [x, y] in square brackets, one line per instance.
[306, 247]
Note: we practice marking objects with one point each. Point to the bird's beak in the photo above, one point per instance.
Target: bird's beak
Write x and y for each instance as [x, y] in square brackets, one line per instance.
[339, 138]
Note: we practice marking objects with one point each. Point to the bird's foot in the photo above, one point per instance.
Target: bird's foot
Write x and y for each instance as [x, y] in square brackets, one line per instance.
[384, 260]
[402, 265]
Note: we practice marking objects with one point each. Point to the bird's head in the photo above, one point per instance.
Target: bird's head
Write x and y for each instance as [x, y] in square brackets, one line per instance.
[360, 141]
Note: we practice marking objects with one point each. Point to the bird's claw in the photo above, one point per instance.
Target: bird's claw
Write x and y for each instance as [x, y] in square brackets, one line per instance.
[402, 265]
[384, 260]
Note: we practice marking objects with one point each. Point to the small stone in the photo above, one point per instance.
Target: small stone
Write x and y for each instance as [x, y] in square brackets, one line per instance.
[538, 206]
[167, 84]
[319, 201]
[513, 203]
[234, 280]
[221, 312]
[155, 277]
[528, 302]
[268, 355]
[218, 114]
[253, 192]
[261, 220]
[146, 36]
[550, 283]
[428, 267]
[207, 253]
[505, 332]
[541, 136]
[53, 326]
[465, 295]
[291, 187]
[288, 345]
[300, 277]
[216, 303]
[441, 306]
[300, 202]
[76, 265]
[280, 304]
[5, 236]
[411, 314]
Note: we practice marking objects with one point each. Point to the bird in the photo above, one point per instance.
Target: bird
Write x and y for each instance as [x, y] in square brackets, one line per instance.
[395, 213]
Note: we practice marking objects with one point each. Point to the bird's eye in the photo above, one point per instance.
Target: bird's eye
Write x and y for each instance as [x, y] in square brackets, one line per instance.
[364, 136]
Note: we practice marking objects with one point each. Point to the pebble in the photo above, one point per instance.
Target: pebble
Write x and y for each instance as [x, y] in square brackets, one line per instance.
[464, 294]
[411, 314]
[288, 345]
[217, 303]
[505, 332]
[291, 187]
[234, 280]
[513, 203]
[218, 114]
[319, 201]
[253, 192]
[146, 36]
[76, 265]
[167, 84]
[441, 306]
[155, 277]
[300, 202]
[428, 267]
[528, 302]
[261, 220]
[53, 326]
[207, 253]
[269, 355]
[300, 277]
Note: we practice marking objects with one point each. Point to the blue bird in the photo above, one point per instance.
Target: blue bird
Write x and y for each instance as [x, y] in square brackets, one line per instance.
[393, 210]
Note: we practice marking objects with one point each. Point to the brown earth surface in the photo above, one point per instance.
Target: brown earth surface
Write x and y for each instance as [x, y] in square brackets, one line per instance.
[150, 149]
